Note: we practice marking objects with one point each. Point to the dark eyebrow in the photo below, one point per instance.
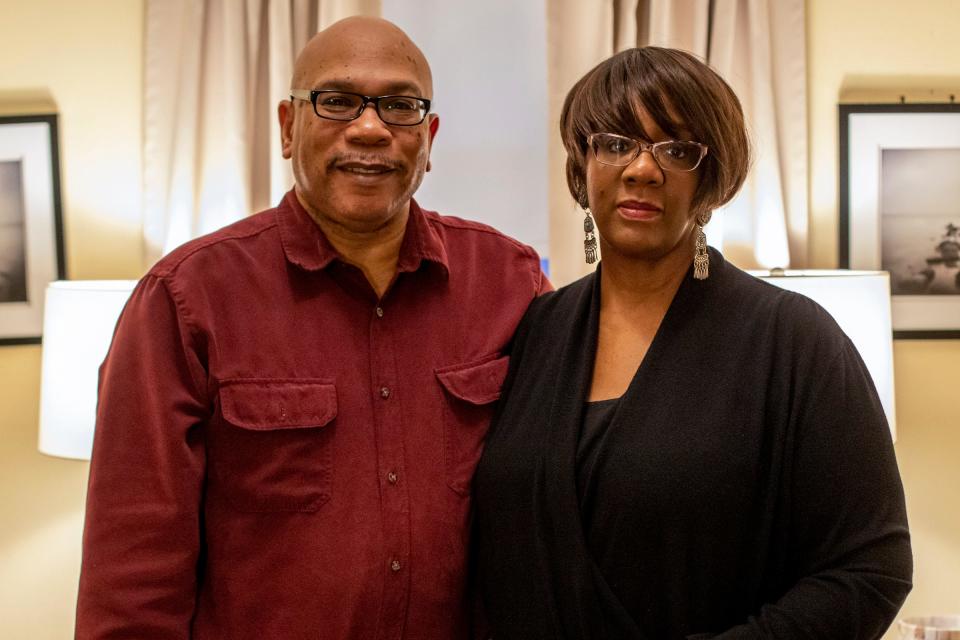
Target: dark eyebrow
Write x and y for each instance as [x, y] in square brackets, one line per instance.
[394, 89]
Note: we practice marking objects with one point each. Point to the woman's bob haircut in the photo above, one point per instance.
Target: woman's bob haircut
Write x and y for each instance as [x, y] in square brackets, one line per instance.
[687, 99]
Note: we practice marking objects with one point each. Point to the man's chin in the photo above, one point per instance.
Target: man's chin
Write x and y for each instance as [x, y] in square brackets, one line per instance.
[367, 215]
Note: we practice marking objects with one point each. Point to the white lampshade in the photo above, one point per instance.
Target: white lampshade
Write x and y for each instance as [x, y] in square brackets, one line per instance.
[860, 303]
[78, 322]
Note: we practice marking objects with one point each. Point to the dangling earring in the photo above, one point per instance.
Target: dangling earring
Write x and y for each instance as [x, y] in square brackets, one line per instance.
[590, 240]
[701, 259]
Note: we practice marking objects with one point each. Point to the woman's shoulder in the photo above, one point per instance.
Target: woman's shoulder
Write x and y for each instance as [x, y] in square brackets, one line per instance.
[798, 321]
[552, 314]
[554, 305]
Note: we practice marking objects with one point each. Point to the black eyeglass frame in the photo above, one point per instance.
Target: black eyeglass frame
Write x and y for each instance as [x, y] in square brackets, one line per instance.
[647, 146]
[311, 95]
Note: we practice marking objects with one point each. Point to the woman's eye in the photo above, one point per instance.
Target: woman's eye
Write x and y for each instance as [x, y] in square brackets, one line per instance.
[617, 146]
[676, 151]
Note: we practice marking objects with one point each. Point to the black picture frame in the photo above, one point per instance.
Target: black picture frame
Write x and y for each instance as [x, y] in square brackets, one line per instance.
[31, 223]
[869, 134]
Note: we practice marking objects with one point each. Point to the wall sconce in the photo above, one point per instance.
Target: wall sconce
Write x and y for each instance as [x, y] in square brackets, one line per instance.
[860, 303]
[78, 322]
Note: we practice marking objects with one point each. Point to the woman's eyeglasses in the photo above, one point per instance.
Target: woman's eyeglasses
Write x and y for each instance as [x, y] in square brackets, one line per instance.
[671, 155]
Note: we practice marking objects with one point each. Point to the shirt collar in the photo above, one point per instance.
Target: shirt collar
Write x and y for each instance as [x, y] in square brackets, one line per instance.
[306, 246]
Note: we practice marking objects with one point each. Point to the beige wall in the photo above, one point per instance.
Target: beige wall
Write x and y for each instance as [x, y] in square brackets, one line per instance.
[913, 46]
[88, 56]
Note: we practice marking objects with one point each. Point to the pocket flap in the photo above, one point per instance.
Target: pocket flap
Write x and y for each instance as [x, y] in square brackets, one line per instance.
[264, 405]
[476, 382]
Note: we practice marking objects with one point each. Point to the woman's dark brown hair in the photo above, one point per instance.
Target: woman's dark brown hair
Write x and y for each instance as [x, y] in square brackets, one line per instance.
[680, 93]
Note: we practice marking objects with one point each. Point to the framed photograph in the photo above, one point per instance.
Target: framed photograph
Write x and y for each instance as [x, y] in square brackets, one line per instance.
[31, 226]
[900, 209]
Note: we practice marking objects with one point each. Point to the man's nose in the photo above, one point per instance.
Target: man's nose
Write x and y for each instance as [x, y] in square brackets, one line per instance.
[368, 128]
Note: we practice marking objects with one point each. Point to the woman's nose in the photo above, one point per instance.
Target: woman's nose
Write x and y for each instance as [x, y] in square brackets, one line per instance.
[643, 169]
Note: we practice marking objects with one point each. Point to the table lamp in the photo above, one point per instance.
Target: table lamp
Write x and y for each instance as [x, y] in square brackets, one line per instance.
[78, 321]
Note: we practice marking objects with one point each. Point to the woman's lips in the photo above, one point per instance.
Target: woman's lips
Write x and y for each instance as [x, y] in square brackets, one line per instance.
[634, 210]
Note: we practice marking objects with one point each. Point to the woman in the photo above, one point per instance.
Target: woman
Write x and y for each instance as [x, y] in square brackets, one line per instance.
[682, 451]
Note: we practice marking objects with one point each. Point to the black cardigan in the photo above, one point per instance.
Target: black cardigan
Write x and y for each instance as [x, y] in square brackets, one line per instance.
[750, 487]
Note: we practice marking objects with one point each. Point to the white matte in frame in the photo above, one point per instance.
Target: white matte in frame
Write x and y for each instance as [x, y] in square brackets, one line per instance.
[870, 133]
[29, 144]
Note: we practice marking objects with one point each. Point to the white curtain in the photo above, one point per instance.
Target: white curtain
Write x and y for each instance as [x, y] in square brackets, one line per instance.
[214, 71]
[580, 33]
[758, 46]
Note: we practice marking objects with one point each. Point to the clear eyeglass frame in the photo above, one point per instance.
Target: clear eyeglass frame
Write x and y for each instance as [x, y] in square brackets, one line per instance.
[414, 112]
[691, 153]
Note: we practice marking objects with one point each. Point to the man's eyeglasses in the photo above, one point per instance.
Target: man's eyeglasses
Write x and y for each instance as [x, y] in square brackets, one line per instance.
[404, 111]
[671, 155]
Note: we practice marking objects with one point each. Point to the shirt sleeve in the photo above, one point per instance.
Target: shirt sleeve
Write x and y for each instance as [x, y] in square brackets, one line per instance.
[141, 541]
[848, 517]
[544, 285]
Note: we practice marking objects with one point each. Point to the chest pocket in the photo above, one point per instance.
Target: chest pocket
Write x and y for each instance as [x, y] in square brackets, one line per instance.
[273, 449]
[470, 391]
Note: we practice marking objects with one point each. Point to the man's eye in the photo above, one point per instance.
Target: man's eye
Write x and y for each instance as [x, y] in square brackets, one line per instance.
[337, 102]
[401, 105]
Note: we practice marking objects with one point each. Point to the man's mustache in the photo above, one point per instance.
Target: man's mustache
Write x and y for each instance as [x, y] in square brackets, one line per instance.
[364, 158]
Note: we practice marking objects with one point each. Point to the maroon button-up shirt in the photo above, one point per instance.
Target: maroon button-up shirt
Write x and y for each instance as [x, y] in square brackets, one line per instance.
[281, 454]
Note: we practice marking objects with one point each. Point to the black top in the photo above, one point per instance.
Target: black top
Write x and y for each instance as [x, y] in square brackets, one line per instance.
[591, 451]
[747, 478]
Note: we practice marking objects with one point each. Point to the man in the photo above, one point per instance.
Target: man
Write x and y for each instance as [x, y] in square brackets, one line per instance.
[293, 406]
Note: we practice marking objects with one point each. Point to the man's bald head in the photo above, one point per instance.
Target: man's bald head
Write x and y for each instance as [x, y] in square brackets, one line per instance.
[330, 51]
[356, 176]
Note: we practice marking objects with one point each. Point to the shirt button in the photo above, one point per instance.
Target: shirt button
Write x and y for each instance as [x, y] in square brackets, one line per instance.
[384, 392]
[379, 312]
[395, 565]
[392, 478]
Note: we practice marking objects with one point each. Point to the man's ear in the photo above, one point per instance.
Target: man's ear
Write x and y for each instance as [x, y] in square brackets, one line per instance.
[285, 116]
[434, 126]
